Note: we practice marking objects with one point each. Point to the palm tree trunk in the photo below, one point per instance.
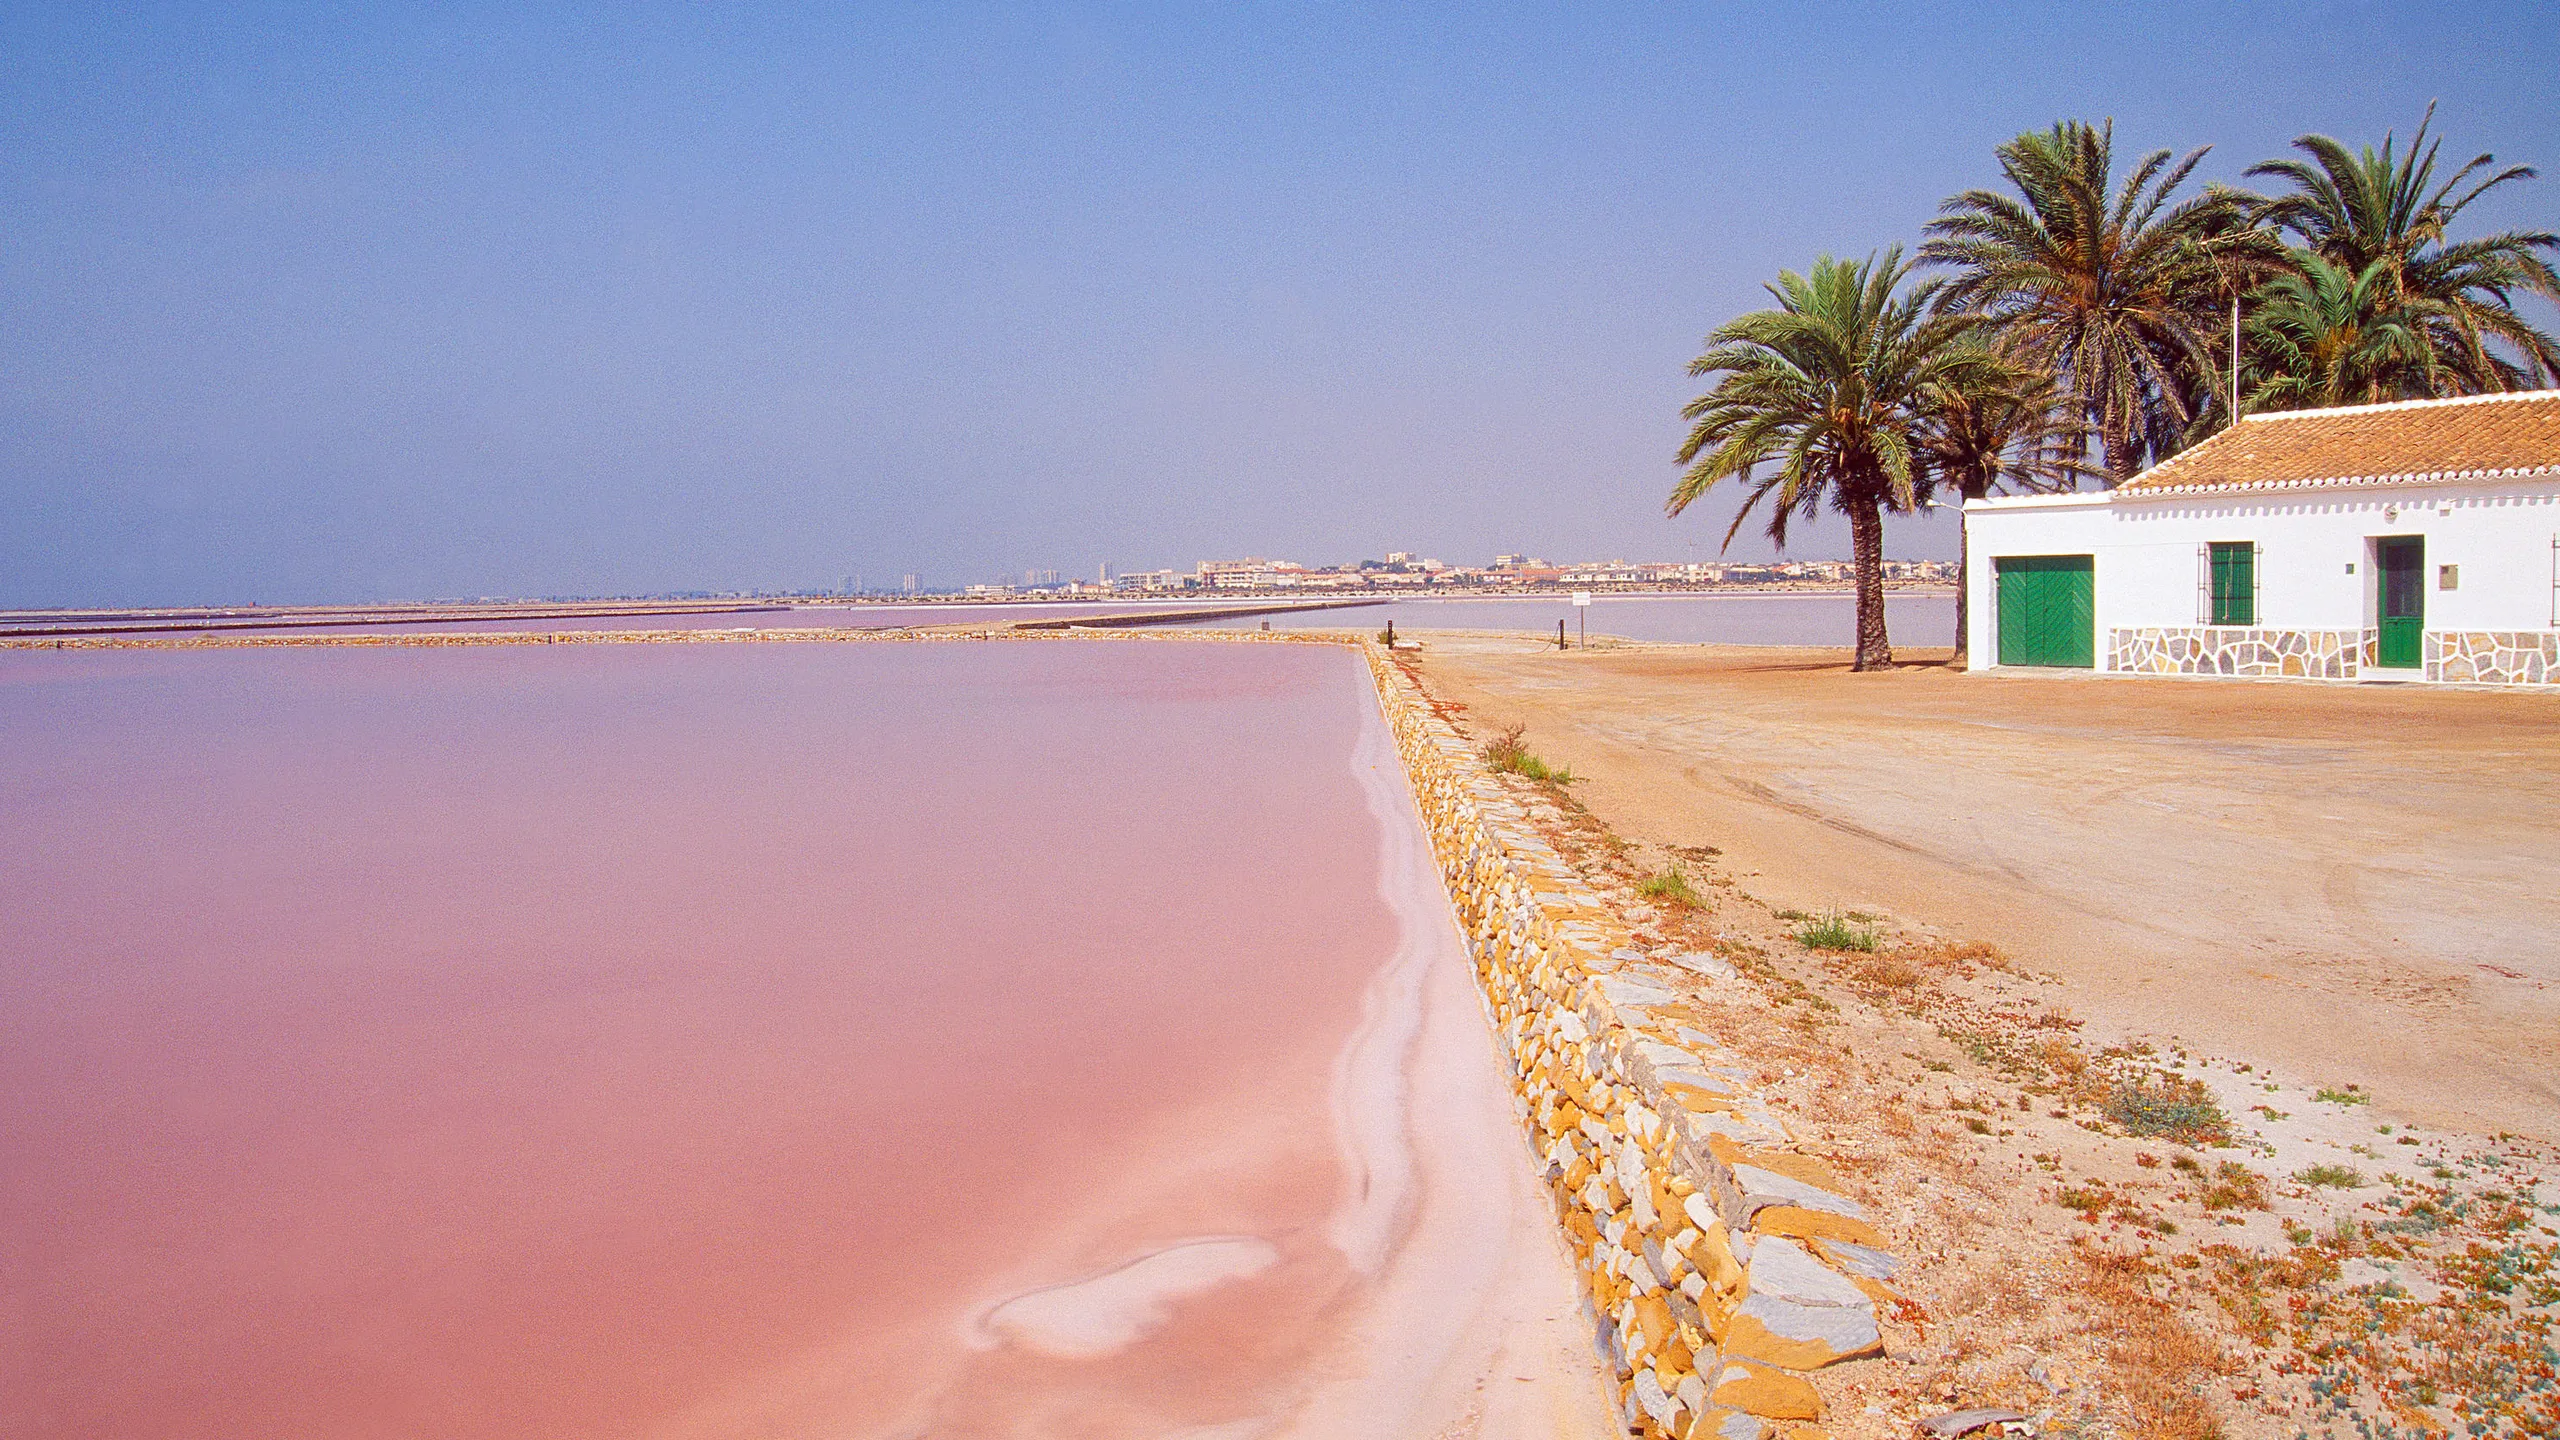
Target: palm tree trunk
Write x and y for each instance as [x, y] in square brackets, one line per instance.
[2120, 461]
[1866, 556]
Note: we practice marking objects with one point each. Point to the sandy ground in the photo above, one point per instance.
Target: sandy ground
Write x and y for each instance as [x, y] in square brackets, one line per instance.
[2119, 1236]
[2351, 885]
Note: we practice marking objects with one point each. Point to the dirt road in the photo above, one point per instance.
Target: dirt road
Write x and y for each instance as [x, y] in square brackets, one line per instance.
[2349, 884]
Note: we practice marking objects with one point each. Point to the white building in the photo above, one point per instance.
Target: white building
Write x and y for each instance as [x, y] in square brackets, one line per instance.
[2417, 540]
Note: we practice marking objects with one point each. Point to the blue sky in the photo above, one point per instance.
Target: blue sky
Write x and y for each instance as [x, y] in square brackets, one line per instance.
[338, 303]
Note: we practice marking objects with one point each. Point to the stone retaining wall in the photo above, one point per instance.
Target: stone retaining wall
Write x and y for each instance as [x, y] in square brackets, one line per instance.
[1721, 1264]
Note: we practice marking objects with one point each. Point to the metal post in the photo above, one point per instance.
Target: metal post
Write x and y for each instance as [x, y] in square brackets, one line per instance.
[2235, 357]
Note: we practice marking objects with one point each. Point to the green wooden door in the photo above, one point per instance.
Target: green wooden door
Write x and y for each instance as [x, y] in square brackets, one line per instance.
[2047, 609]
[2402, 561]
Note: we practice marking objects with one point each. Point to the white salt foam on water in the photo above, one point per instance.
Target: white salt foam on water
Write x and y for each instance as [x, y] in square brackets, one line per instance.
[1085, 1319]
[1370, 1086]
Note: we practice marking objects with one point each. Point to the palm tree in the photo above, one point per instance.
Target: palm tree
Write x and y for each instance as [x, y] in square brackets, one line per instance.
[2386, 208]
[2107, 288]
[2328, 337]
[1823, 398]
[1998, 426]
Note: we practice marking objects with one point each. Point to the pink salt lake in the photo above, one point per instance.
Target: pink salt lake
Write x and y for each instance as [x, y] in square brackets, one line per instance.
[741, 1040]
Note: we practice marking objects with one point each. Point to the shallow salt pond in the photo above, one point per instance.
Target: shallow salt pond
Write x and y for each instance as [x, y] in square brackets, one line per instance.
[730, 1039]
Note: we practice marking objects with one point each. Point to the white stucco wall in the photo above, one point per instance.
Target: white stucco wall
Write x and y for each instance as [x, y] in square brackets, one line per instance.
[2501, 534]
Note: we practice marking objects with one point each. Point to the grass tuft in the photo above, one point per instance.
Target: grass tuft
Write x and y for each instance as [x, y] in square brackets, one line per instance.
[1672, 887]
[2334, 1177]
[1504, 752]
[2352, 1095]
[1835, 931]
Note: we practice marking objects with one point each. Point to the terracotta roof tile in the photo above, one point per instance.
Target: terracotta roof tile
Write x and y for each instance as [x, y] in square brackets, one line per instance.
[2413, 441]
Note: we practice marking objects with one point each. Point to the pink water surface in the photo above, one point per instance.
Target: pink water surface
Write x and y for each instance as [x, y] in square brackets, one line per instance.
[688, 1040]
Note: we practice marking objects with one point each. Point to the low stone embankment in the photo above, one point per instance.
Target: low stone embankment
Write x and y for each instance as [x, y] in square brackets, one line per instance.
[1721, 1264]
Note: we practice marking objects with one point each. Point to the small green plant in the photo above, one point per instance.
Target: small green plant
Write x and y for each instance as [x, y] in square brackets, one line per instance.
[2168, 1105]
[1835, 931]
[2334, 1177]
[1977, 1125]
[1504, 752]
[2234, 1186]
[2352, 1095]
[1670, 886]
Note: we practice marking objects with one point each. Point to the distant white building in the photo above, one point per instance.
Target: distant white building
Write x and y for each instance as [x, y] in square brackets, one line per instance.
[2417, 540]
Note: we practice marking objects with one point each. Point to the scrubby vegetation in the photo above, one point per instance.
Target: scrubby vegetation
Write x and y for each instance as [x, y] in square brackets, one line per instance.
[1832, 930]
[2170, 1106]
[2335, 1177]
[1670, 886]
[1506, 753]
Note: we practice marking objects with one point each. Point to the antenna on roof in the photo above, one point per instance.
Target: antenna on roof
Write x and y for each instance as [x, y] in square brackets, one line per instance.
[2235, 357]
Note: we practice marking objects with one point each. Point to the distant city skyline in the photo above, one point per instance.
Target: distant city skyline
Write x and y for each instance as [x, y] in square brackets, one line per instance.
[307, 306]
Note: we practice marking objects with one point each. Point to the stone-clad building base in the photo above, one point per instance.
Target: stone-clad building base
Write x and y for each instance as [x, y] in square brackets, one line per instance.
[2218, 650]
[2461, 657]
[2494, 657]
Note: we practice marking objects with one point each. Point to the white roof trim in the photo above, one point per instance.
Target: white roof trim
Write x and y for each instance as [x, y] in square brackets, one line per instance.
[2337, 482]
[2067, 500]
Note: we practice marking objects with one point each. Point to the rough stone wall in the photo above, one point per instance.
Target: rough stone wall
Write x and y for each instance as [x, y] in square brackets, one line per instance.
[1720, 1263]
[2493, 657]
[2217, 650]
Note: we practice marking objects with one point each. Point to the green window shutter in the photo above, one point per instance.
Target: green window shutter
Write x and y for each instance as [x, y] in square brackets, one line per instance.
[2234, 566]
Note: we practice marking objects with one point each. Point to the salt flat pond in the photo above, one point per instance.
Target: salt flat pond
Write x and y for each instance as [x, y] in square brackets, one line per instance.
[1721, 618]
[724, 1040]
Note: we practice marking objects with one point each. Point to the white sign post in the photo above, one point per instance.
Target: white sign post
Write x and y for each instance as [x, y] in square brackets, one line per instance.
[1582, 616]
